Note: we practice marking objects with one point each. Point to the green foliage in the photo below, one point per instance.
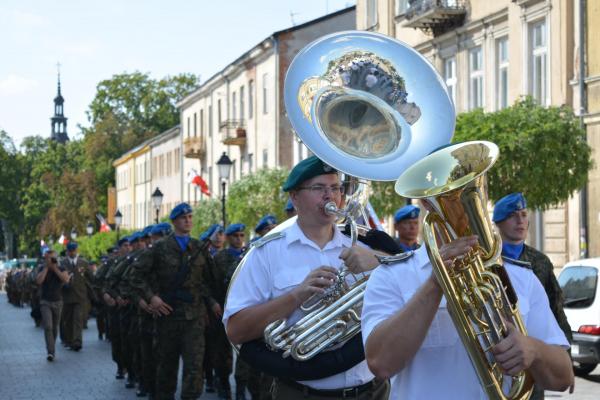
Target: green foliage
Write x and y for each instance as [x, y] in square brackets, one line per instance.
[543, 152]
[384, 199]
[256, 195]
[206, 213]
[94, 246]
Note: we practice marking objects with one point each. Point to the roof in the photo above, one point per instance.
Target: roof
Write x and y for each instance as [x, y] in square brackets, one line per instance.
[145, 146]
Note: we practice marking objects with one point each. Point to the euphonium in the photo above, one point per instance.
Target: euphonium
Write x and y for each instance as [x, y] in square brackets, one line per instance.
[452, 184]
[369, 106]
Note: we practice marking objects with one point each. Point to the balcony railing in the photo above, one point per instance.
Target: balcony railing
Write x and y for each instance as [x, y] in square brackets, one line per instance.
[435, 16]
[233, 132]
[194, 147]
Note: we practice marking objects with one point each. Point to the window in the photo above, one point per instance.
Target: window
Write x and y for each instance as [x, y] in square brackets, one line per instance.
[209, 177]
[250, 163]
[195, 126]
[242, 159]
[177, 160]
[233, 106]
[219, 112]
[188, 127]
[371, 13]
[578, 284]
[502, 73]
[538, 63]
[210, 121]
[402, 6]
[264, 92]
[450, 77]
[169, 163]
[250, 99]
[265, 158]
[201, 122]
[475, 78]
[241, 103]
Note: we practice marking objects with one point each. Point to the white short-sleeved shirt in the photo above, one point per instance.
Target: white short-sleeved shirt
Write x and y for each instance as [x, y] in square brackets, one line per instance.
[278, 267]
[441, 368]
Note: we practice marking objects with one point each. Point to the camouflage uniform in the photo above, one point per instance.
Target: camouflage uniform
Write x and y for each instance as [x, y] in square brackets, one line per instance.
[542, 268]
[182, 281]
[114, 316]
[75, 295]
[101, 308]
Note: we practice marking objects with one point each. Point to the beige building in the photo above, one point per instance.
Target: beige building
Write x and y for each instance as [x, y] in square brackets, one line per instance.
[240, 109]
[490, 53]
[156, 163]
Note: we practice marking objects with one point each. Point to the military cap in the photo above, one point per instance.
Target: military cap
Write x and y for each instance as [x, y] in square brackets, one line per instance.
[305, 170]
[407, 212]
[234, 228]
[135, 237]
[72, 246]
[206, 235]
[507, 205]
[265, 222]
[180, 209]
[147, 231]
[123, 240]
[164, 228]
[289, 206]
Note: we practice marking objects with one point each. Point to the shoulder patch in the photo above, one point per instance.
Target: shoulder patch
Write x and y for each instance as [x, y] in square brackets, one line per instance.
[519, 263]
[266, 239]
[395, 259]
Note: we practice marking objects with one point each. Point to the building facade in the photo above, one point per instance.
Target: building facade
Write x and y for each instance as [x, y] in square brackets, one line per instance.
[240, 110]
[490, 54]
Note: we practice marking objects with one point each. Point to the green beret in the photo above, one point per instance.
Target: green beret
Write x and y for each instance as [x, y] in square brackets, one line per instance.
[305, 170]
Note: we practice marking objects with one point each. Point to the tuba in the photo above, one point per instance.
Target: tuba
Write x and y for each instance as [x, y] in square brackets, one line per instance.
[370, 106]
[478, 291]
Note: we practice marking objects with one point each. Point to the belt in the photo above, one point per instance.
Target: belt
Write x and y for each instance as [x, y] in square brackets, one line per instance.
[345, 393]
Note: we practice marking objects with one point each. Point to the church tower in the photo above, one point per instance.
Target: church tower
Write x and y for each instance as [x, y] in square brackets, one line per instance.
[59, 122]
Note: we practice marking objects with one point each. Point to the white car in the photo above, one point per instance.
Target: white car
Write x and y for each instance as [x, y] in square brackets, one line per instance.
[579, 283]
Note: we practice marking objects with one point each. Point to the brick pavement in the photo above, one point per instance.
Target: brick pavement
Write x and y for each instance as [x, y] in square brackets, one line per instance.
[25, 374]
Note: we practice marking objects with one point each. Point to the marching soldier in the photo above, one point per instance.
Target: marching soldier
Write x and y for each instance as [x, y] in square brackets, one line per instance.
[173, 278]
[289, 209]
[264, 226]
[74, 297]
[215, 236]
[406, 224]
[512, 219]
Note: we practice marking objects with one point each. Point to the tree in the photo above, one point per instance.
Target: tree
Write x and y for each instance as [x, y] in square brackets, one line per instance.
[543, 152]
[384, 199]
[12, 170]
[256, 195]
[206, 213]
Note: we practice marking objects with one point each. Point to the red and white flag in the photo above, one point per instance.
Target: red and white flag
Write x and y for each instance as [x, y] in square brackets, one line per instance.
[63, 240]
[104, 227]
[197, 180]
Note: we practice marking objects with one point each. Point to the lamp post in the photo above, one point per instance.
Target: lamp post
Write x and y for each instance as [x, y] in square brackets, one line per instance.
[224, 165]
[157, 198]
[89, 229]
[118, 220]
[73, 234]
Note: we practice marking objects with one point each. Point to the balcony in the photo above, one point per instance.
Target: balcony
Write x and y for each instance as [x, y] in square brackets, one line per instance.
[194, 147]
[233, 132]
[435, 16]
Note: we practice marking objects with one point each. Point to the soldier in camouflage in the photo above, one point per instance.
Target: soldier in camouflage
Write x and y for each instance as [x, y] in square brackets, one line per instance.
[173, 278]
[512, 219]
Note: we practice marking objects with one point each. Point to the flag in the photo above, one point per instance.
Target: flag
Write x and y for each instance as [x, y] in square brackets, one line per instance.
[104, 227]
[197, 180]
[63, 240]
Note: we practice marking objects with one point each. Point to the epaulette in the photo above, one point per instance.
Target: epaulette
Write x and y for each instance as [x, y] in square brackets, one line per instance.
[395, 259]
[519, 263]
[266, 239]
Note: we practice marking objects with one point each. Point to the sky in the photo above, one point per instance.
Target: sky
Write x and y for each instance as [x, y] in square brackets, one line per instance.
[93, 40]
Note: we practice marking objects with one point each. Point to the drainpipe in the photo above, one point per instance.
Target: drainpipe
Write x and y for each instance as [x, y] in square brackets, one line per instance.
[583, 201]
[277, 98]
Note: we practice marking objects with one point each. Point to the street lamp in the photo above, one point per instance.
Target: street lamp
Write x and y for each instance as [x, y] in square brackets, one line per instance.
[118, 220]
[89, 229]
[73, 234]
[157, 198]
[224, 165]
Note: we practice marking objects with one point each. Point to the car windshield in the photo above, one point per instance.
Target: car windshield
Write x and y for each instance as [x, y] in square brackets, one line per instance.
[579, 286]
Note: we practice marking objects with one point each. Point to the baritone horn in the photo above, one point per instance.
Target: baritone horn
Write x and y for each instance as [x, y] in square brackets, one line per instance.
[369, 106]
[480, 297]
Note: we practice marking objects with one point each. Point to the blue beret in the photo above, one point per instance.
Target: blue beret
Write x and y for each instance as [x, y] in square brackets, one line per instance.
[265, 222]
[72, 246]
[180, 209]
[507, 205]
[305, 170]
[123, 240]
[135, 237]
[164, 228]
[289, 206]
[147, 231]
[233, 228]
[211, 231]
[407, 212]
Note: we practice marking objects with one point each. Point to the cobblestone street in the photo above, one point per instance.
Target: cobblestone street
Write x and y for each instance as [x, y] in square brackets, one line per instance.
[89, 374]
[25, 374]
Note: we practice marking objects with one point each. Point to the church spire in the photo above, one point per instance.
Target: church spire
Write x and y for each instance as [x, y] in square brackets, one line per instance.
[59, 121]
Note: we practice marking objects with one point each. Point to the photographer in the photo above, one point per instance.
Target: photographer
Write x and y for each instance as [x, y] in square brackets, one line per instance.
[51, 278]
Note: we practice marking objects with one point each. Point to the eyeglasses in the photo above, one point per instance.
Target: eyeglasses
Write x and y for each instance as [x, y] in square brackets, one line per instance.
[322, 189]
